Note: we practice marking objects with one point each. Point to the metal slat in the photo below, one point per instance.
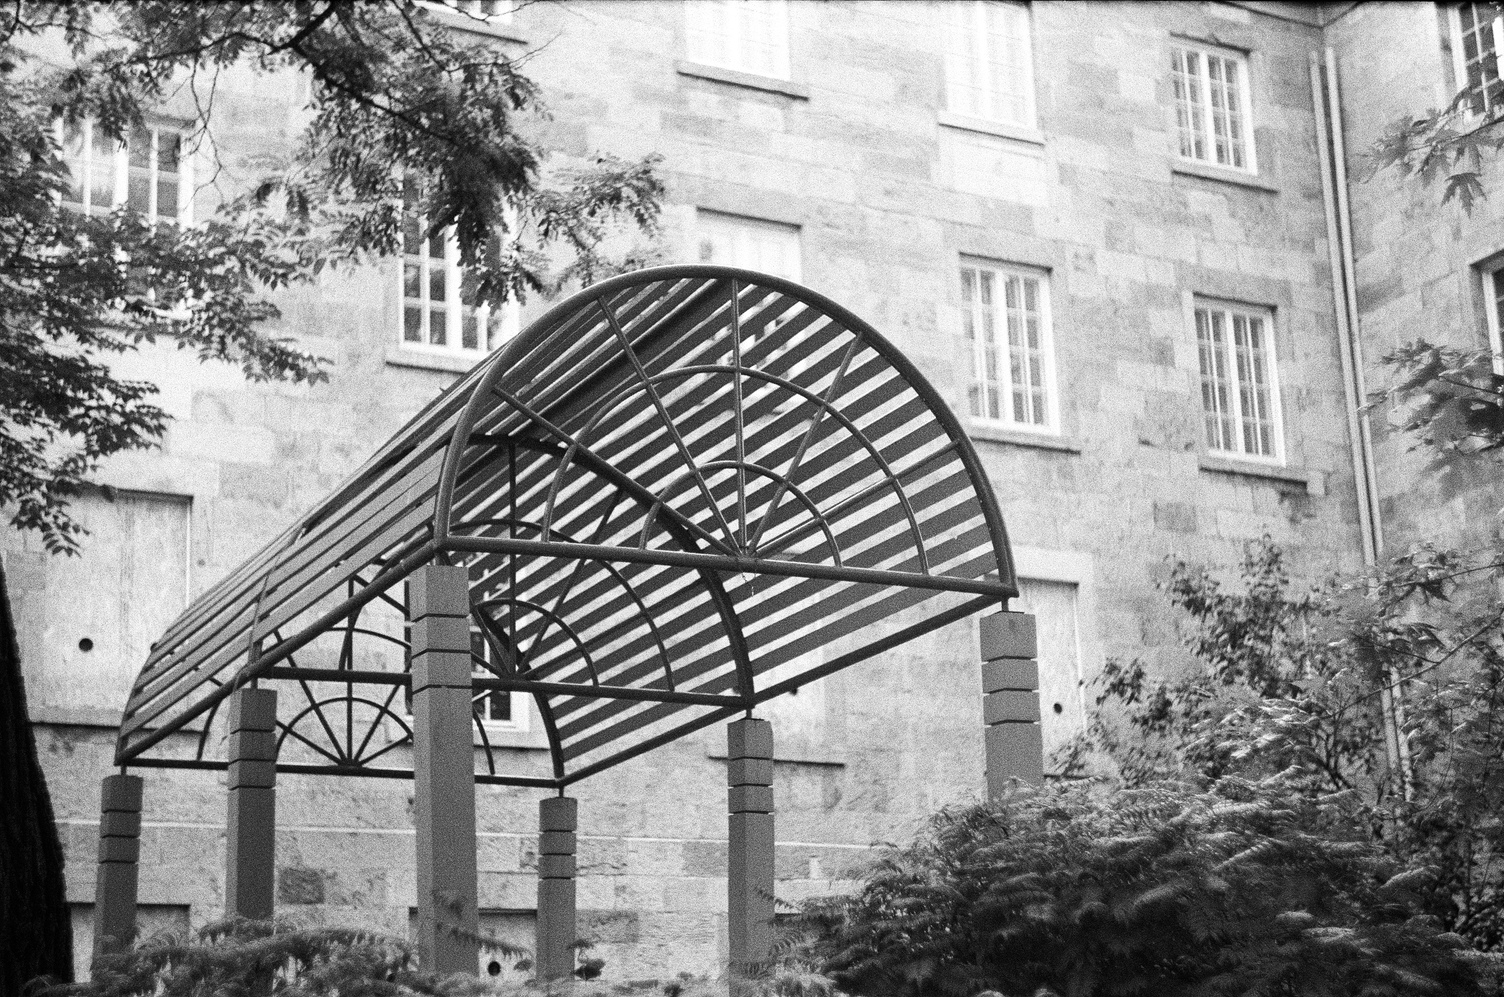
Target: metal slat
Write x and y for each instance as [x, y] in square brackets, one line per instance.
[886, 468]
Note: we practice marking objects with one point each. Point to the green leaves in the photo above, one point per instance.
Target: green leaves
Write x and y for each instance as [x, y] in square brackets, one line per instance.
[1243, 888]
[399, 104]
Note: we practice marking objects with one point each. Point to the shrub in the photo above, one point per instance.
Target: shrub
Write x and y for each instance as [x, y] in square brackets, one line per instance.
[1163, 890]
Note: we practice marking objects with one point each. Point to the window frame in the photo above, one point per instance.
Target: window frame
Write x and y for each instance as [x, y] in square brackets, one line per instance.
[979, 11]
[1269, 316]
[454, 305]
[975, 377]
[782, 57]
[474, 9]
[516, 701]
[709, 219]
[518, 704]
[121, 170]
[1459, 63]
[1245, 105]
[1491, 274]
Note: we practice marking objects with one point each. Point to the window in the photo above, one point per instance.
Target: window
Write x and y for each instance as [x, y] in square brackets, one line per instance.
[1239, 391]
[1006, 317]
[151, 920]
[1211, 106]
[747, 35]
[1062, 710]
[500, 710]
[495, 707]
[1493, 305]
[1475, 54]
[495, 11]
[439, 309]
[86, 624]
[147, 173]
[989, 70]
[733, 241]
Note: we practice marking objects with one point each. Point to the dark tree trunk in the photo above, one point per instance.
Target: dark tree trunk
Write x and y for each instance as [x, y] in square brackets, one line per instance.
[36, 936]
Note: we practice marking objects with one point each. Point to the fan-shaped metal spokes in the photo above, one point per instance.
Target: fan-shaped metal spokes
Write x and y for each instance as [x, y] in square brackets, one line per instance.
[669, 485]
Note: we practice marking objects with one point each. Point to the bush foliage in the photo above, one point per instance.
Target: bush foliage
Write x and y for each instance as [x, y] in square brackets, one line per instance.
[1241, 888]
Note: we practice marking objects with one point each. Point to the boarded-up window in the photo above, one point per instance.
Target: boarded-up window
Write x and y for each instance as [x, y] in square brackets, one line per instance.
[151, 920]
[1062, 711]
[516, 928]
[86, 623]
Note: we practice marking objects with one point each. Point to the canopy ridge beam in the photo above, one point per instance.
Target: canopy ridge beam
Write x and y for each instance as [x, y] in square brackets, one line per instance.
[518, 684]
[732, 565]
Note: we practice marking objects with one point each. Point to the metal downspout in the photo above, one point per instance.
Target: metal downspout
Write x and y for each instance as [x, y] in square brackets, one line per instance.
[1333, 156]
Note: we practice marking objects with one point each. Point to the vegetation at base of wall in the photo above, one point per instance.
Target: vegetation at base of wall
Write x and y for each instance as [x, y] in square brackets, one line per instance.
[284, 959]
[1164, 889]
[402, 111]
[1387, 688]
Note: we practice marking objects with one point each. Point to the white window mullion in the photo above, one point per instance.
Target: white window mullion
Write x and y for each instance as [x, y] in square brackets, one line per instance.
[982, 100]
[453, 307]
[184, 206]
[1204, 101]
[122, 174]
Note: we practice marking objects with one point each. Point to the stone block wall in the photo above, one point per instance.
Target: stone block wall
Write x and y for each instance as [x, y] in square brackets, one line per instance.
[1417, 259]
[888, 202]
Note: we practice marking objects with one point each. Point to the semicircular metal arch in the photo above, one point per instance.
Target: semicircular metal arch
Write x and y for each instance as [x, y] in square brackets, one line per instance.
[678, 493]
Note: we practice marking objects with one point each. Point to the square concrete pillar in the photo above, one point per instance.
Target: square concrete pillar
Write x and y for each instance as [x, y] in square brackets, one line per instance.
[1010, 702]
[749, 873]
[119, 855]
[444, 769]
[558, 819]
[251, 824]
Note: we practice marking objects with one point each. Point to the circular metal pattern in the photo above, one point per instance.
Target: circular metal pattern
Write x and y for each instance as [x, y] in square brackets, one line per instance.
[670, 485]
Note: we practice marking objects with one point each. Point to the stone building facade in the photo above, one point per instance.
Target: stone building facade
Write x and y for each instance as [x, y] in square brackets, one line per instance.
[1134, 191]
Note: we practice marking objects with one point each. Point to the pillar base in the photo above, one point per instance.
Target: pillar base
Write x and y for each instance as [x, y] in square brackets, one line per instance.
[749, 853]
[251, 819]
[119, 855]
[558, 819]
[444, 770]
[1010, 702]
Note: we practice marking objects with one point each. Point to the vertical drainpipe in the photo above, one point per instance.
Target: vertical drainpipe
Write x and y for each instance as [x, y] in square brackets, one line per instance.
[1333, 154]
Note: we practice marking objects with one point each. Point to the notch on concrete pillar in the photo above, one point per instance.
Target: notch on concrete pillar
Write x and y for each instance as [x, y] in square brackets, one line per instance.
[749, 853]
[251, 824]
[119, 858]
[1010, 701]
[438, 600]
[558, 819]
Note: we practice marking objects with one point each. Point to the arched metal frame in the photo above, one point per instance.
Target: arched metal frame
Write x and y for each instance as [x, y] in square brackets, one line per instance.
[669, 485]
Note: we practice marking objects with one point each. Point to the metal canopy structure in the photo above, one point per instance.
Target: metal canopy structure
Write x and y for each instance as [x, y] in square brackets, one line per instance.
[678, 494]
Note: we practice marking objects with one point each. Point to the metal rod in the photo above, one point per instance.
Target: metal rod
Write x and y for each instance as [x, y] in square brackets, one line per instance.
[297, 768]
[734, 565]
[608, 692]
[894, 639]
[514, 685]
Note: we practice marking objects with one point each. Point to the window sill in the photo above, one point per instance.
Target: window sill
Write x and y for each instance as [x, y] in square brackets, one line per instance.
[1021, 438]
[522, 740]
[737, 78]
[454, 363]
[1017, 133]
[1312, 482]
[76, 716]
[1222, 174]
[458, 21]
[827, 763]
